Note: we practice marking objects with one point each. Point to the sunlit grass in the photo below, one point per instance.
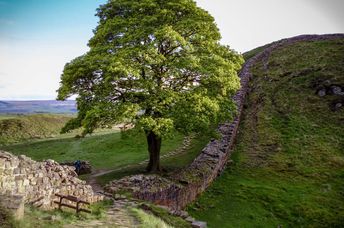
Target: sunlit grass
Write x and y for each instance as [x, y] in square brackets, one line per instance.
[288, 165]
[103, 151]
[148, 220]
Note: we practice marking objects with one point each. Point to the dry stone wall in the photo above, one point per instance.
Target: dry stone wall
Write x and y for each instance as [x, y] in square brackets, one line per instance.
[13, 203]
[85, 166]
[182, 187]
[38, 182]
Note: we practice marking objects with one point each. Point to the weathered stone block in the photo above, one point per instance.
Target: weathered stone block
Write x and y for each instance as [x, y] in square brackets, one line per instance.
[15, 203]
[199, 224]
[26, 182]
[2, 163]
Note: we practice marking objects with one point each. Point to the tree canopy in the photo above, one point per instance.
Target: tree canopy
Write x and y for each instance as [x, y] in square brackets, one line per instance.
[154, 63]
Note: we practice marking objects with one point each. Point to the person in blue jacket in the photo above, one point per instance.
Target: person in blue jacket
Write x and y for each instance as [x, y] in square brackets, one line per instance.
[77, 166]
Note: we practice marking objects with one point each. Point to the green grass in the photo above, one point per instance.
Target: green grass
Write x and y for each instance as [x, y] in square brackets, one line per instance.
[18, 128]
[249, 54]
[108, 151]
[169, 164]
[57, 219]
[288, 165]
[172, 220]
[148, 220]
[7, 116]
[6, 218]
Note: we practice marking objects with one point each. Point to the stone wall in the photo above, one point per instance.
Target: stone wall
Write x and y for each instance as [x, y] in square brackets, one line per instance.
[85, 166]
[182, 187]
[14, 204]
[38, 182]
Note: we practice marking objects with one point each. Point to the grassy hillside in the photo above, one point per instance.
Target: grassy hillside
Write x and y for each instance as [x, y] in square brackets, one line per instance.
[7, 116]
[22, 127]
[288, 165]
[107, 151]
[103, 151]
[171, 163]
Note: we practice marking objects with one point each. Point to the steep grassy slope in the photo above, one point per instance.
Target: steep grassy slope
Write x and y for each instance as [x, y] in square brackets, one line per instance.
[288, 164]
[18, 128]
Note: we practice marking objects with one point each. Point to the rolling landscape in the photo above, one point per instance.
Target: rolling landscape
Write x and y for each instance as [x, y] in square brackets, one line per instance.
[172, 128]
[37, 106]
[287, 163]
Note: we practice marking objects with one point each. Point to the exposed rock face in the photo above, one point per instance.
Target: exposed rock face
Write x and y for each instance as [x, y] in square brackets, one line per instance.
[182, 187]
[199, 224]
[38, 182]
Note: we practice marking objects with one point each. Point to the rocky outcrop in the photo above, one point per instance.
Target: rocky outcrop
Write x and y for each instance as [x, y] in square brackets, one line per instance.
[182, 187]
[38, 182]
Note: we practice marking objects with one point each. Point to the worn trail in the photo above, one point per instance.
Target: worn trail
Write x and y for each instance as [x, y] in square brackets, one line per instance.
[92, 179]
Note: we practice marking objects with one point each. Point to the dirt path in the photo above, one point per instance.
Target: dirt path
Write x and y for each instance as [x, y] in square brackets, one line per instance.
[92, 179]
[118, 215]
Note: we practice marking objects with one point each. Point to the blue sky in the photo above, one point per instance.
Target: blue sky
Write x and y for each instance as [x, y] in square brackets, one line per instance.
[37, 37]
[54, 20]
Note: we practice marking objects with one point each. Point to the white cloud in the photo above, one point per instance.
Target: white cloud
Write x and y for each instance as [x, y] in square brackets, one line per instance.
[247, 24]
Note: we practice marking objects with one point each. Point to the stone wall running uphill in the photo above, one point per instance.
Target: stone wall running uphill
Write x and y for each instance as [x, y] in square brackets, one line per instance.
[182, 187]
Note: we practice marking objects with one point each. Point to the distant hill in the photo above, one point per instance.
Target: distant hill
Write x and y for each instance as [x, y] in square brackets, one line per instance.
[39, 106]
[4, 104]
[19, 128]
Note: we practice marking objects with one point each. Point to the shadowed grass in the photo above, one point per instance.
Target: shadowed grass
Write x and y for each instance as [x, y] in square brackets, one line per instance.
[169, 164]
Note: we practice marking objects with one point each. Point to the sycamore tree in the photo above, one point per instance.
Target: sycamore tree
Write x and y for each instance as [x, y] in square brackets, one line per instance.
[156, 64]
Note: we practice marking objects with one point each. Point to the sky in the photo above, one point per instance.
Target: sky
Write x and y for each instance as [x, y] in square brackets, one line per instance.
[38, 37]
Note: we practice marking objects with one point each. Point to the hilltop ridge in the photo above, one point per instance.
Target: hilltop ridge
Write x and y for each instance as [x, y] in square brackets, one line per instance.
[37, 106]
[288, 162]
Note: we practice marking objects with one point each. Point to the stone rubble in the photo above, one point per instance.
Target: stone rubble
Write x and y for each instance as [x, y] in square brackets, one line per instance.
[85, 166]
[199, 224]
[14, 204]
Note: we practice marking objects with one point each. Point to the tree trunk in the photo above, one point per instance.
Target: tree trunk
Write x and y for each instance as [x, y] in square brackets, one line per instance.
[154, 145]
